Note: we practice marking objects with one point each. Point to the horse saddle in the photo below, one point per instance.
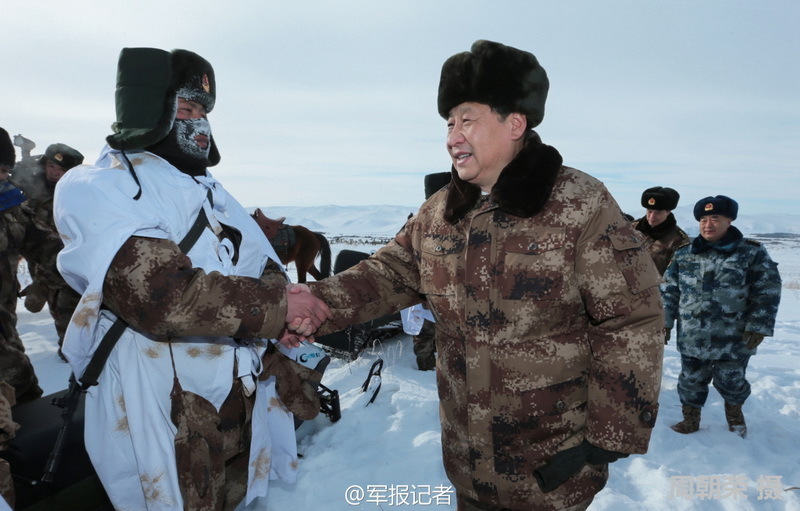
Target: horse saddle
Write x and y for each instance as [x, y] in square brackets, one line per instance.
[280, 235]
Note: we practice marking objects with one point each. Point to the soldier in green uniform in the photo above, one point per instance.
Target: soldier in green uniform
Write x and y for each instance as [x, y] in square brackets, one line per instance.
[37, 178]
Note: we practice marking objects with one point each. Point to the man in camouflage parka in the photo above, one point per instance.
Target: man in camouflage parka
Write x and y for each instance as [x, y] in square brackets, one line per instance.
[547, 306]
[37, 177]
[723, 291]
[661, 231]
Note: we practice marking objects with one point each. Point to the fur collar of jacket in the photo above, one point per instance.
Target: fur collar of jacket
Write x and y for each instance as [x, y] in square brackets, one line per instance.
[727, 244]
[522, 189]
[658, 231]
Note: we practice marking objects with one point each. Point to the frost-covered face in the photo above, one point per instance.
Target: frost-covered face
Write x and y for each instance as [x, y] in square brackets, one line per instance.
[192, 129]
[193, 136]
[188, 144]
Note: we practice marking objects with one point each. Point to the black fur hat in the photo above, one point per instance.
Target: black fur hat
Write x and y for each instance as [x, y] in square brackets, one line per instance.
[660, 197]
[7, 154]
[719, 205]
[434, 182]
[505, 78]
[61, 154]
[149, 82]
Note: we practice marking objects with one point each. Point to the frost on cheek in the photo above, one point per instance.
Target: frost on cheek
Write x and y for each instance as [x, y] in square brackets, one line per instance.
[187, 130]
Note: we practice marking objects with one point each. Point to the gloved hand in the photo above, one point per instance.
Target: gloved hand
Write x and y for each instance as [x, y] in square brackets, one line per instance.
[752, 339]
[562, 466]
[667, 334]
[35, 296]
[567, 463]
[600, 456]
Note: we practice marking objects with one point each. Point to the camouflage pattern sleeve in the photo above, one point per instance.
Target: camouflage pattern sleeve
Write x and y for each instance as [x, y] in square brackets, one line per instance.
[40, 245]
[619, 283]
[765, 294]
[384, 283]
[153, 286]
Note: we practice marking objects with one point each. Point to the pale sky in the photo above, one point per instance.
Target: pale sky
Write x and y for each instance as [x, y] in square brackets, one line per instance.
[334, 102]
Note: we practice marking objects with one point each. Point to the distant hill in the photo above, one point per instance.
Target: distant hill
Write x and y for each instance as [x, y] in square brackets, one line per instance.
[345, 220]
[385, 220]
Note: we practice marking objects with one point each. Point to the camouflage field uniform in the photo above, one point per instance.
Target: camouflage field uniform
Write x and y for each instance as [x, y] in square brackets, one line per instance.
[45, 287]
[715, 293]
[547, 325]
[662, 240]
[21, 236]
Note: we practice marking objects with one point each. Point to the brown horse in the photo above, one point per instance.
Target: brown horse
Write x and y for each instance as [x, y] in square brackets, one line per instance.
[297, 243]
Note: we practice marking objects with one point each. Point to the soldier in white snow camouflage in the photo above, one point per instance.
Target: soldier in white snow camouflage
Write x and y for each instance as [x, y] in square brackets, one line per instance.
[723, 291]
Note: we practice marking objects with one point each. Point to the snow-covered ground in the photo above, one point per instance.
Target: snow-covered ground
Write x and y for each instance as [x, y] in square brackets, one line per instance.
[387, 456]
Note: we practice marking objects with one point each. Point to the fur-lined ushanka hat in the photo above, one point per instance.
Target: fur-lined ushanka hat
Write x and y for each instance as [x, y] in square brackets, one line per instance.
[149, 83]
[717, 205]
[661, 198]
[505, 78]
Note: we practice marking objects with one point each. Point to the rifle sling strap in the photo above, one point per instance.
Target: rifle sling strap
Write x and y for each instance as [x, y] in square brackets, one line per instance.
[109, 340]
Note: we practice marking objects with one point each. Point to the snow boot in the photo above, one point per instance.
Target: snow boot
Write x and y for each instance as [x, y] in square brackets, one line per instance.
[690, 422]
[735, 417]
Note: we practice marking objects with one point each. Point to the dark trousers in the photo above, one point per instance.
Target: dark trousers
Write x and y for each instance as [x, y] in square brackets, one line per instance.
[728, 377]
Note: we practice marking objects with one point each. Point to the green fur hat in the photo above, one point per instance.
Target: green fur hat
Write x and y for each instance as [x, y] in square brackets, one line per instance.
[505, 78]
[61, 154]
[149, 82]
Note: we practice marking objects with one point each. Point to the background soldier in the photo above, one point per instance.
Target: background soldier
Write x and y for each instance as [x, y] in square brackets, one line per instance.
[37, 179]
[20, 236]
[662, 234]
[723, 291]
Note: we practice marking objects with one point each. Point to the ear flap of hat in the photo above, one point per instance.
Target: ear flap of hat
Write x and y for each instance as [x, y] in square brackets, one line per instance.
[505, 78]
[145, 105]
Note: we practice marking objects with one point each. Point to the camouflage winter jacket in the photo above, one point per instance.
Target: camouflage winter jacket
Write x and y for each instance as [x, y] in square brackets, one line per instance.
[547, 324]
[716, 292]
[21, 236]
[662, 240]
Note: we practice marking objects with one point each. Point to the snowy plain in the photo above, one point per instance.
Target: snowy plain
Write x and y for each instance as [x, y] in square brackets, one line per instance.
[387, 456]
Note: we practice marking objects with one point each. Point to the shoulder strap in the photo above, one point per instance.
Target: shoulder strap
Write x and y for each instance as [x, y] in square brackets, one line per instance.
[109, 340]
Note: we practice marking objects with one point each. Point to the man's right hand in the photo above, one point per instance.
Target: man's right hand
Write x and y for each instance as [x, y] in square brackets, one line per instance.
[305, 312]
[667, 333]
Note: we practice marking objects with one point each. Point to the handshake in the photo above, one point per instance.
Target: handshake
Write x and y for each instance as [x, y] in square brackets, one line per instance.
[304, 315]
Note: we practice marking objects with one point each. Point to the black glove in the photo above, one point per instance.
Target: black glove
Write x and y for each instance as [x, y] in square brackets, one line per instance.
[567, 463]
[600, 456]
[667, 335]
[562, 466]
